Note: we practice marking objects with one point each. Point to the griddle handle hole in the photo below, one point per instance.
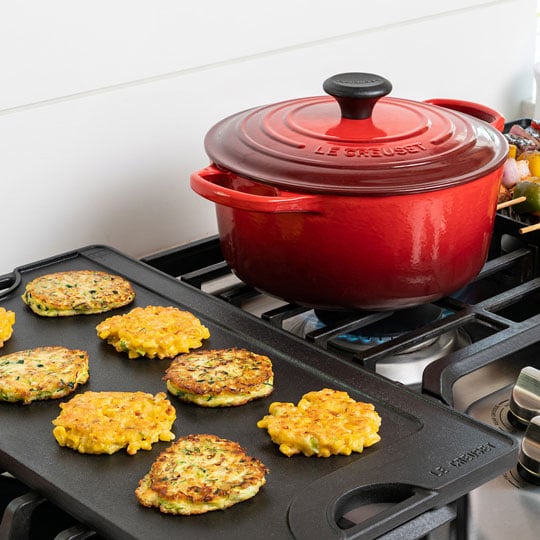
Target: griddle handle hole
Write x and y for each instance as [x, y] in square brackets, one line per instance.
[370, 504]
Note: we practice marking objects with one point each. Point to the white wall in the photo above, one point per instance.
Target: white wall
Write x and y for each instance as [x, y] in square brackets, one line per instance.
[104, 105]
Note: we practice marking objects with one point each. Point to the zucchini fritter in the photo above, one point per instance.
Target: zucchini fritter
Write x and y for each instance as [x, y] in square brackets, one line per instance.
[42, 373]
[77, 292]
[153, 331]
[324, 423]
[105, 422]
[7, 320]
[200, 473]
[220, 378]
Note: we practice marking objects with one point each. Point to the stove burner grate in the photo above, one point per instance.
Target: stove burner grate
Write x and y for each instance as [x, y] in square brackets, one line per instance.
[385, 329]
[405, 365]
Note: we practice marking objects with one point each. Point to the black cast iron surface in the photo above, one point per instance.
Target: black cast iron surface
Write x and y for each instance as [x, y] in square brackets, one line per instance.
[429, 455]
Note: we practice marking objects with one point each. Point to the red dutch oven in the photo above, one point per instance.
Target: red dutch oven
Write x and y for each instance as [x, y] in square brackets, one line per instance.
[355, 200]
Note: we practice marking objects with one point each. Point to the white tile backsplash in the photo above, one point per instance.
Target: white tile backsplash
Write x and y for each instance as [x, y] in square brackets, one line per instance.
[102, 117]
[61, 47]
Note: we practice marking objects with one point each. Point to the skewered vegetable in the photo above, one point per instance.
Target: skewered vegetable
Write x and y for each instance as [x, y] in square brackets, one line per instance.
[531, 190]
[532, 158]
[521, 173]
[514, 171]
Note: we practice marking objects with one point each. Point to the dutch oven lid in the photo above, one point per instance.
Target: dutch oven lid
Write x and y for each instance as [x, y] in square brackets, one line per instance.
[356, 141]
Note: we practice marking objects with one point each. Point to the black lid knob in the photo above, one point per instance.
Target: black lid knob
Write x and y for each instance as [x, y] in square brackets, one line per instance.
[357, 93]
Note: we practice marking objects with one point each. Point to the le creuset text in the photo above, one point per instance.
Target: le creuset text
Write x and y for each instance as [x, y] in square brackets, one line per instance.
[464, 458]
[370, 152]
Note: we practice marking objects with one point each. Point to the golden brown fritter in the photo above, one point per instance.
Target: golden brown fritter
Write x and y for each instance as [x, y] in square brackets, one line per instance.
[200, 473]
[153, 331]
[220, 378]
[42, 373]
[324, 423]
[105, 422]
[7, 320]
[77, 292]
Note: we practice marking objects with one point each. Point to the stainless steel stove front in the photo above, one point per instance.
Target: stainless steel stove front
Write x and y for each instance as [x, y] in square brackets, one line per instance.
[508, 506]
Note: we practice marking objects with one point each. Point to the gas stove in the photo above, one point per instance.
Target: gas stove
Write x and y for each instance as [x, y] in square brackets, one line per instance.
[477, 351]
[471, 350]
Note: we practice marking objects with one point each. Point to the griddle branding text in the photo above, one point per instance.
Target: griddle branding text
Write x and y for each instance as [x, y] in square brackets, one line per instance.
[471, 455]
[370, 152]
[463, 459]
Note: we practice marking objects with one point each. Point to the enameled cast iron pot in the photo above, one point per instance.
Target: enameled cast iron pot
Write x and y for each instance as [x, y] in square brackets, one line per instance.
[356, 201]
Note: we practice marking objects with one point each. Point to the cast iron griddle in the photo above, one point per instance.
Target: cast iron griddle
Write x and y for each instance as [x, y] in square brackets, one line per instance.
[429, 455]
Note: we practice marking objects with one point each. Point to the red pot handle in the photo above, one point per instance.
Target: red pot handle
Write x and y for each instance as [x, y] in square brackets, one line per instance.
[208, 183]
[491, 116]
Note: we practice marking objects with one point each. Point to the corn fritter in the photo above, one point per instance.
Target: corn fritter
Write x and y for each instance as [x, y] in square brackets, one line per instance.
[77, 292]
[153, 331]
[220, 378]
[42, 373]
[105, 422]
[7, 320]
[324, 423]
[199, 473]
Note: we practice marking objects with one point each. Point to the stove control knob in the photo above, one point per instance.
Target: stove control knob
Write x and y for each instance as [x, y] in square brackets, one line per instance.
[529, 454]
[525, 400]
